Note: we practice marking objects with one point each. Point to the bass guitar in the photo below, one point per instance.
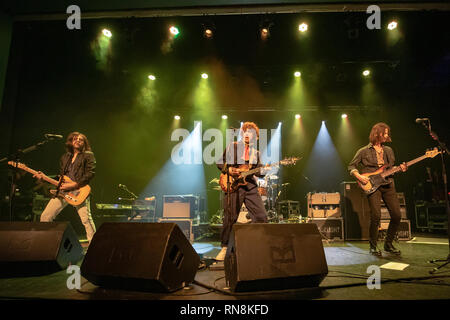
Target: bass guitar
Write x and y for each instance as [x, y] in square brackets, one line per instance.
[73, 197]
[234, 182]
[378, 178]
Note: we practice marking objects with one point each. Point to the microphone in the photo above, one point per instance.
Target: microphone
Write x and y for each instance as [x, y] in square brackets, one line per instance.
[52, 136]
[420, 120]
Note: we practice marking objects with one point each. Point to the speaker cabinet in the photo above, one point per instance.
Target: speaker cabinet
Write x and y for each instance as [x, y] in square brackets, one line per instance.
[37, 248]
[356, 211]
[263, 257]
[155, 257]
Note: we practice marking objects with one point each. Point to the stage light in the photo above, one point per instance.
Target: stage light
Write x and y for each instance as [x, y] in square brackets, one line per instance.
[224, 117]
[208, 33]
[297, 74]
[174, 30]
[204, 75]
[392, 25]
[107, 33]
[297, 116]
[152, 77]
[264, 33]
[344, 116]
[303, 27]
[366, 73]
[177, 117]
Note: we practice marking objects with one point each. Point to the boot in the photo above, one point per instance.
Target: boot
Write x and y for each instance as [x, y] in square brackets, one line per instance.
[375, 251]
[389, 247]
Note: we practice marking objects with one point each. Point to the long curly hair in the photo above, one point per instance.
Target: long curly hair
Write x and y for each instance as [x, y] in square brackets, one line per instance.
[69, 142]
[377, 133]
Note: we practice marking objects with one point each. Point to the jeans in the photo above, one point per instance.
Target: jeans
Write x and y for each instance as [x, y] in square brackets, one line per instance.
[389, 196]
[232, 206]
[55, 206]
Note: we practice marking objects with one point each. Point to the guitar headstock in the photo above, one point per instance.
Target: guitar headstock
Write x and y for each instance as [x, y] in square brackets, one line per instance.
[432, 153]
[18, 165]
[289, 161]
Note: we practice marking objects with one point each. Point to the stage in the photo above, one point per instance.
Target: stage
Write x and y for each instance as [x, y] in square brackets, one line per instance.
[348, 264]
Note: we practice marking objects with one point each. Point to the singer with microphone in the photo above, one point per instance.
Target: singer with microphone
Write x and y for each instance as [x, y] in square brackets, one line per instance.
[78, 163]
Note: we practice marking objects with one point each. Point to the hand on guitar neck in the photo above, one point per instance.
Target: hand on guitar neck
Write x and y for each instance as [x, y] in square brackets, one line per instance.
[65, 186]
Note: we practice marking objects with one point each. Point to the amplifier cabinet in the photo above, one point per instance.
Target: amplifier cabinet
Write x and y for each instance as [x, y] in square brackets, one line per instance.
[180, 206]
[329, 228]
[403, 233]
[184, 224]
[324, 205]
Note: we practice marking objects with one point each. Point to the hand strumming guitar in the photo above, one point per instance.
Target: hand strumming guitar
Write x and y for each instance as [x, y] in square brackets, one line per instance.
[234, 171]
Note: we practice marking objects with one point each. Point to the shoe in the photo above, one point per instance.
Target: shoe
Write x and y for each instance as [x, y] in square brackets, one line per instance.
[389, 247]
[375, 251]
[221, 255]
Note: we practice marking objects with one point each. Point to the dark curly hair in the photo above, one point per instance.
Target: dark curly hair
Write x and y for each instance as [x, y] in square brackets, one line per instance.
[69, 142]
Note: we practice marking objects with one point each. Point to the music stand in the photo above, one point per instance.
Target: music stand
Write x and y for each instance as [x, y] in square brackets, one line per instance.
[427, 124]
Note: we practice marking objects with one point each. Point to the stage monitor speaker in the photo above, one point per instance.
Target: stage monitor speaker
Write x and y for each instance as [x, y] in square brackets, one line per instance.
[154, 257]
[355, 211]
[37, 248]
[262, 257]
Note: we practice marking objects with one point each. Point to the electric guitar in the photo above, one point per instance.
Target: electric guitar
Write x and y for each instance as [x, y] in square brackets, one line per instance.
[244, 172]
[378, 178]
[73, 197]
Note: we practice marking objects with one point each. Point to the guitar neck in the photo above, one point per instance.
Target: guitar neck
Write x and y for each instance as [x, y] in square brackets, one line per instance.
[397, 169]
[48, 179]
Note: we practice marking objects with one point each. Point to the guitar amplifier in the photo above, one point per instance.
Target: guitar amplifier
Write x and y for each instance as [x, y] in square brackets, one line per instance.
[324, 205]
[431, 216]
[184, 224]
[403, 233]
[329, 228]
[180, 206]
[384, 210]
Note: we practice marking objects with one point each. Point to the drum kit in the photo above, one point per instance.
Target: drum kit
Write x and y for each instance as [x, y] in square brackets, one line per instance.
[269, 189]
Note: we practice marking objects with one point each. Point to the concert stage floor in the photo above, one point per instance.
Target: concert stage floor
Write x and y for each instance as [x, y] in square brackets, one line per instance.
[347, 278]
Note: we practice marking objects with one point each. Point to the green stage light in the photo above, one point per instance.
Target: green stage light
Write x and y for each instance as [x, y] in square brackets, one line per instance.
[224, 117]
[204, 75]
[366, 73]
[177, 117]
[297, 74]
[344, 116]
[152, 77]
[297, 116]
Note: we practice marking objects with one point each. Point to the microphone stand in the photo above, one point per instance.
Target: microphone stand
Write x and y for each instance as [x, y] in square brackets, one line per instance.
[16, 158]
[134, 214]
[427, 125]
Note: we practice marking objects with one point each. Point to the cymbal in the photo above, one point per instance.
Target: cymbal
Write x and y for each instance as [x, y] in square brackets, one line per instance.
[215, 180]
[218, 188]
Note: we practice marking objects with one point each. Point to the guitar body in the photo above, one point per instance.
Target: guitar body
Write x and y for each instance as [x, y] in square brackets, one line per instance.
[376, 181]
[234, 182]
[73, 197]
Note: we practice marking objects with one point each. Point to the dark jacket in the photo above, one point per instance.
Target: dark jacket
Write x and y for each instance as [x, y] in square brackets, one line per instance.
[254, 154]
[84, 169]
[365, 159]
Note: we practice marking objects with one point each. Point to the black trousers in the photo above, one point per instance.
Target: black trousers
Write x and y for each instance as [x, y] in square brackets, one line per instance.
[389, 196]
[232, 203]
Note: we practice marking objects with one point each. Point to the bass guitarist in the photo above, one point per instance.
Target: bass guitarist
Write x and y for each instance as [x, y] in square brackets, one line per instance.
[236, 156]
[369, 159]
[78, 163]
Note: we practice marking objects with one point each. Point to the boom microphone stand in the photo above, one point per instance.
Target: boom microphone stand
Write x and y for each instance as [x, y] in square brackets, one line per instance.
[16, 158]
[427, 124]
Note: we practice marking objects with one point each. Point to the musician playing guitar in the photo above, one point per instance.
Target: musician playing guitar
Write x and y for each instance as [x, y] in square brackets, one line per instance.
[239, 155]
[78, 163]
[369, 159]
